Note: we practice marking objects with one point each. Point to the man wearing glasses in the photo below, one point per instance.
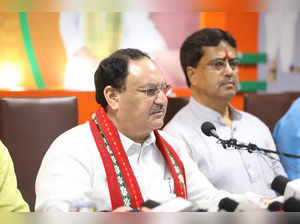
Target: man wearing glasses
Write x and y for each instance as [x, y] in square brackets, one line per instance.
[118, 159]
[209, 61]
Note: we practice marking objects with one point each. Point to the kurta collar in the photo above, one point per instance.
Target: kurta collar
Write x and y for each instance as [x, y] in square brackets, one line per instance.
[128, 143]
[204, 112]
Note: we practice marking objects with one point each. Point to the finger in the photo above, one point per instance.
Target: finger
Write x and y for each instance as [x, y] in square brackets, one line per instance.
[123, 209]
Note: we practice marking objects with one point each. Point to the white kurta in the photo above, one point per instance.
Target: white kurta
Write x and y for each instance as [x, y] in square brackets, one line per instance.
[72, 170]
[232, 170]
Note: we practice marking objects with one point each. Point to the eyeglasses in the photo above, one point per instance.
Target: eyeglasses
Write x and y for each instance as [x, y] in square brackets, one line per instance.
[220, 64]
[154, 90]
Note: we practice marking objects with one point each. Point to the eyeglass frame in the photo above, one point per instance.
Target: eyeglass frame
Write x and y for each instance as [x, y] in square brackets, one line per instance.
[233, 63]
[155, 89]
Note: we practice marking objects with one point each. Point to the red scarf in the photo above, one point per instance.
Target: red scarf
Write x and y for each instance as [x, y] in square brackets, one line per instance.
[123, 186]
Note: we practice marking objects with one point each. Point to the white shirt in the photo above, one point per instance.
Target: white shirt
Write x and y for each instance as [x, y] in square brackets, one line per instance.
[230, 170]
[72, 170]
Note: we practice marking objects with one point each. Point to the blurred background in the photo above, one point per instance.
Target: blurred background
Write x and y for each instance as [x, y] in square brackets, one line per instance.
[61, 50]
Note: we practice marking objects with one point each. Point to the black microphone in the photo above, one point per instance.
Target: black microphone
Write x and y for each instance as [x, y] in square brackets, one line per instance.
[230, 205]
[275, 206]
[227, 204]
[291, 205]
[150, 204]
[287, 188]
[209, 129]
[279, 184]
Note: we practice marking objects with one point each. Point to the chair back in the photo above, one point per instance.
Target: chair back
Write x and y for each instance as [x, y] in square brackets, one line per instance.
[174, 105]
[27, 127]
[269, 107]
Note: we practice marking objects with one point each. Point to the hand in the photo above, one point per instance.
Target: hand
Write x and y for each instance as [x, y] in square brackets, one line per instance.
[270, 200]
[145, 209]
[266, 201]
[123, 209]
[129, 209]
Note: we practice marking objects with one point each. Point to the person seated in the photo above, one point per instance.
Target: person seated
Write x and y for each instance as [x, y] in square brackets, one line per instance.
[119, 159]
[210, 62]
[287, 138]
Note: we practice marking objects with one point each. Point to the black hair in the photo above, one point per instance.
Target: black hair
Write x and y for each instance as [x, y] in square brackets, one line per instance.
[191, 50]
[113, 71]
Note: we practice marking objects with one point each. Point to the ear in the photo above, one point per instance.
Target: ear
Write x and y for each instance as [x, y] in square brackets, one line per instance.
[192, 75]
[112, 97]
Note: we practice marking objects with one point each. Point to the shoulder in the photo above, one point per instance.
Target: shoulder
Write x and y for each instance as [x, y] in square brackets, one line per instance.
[174, 141]
[289, 122]
[75, 147]
[186, 123]
[179, 120]
[181, 150]
[293, 114]
[3, 150]
[252, 120]
[5, 158]
[74, 140]
[75, 134]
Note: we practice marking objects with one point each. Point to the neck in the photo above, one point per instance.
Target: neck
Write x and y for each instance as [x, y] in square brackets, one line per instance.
[136, 138]
[127, 130]
[219, 105]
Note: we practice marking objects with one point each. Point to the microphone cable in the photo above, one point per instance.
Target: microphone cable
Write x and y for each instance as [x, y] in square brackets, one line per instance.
[209, 129]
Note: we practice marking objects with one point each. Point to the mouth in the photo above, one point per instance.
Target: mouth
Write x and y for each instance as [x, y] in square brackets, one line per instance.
[159, 112]
[228, 84]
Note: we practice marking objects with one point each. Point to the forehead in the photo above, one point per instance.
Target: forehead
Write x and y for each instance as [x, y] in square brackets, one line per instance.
[143, 71]
[222, 51]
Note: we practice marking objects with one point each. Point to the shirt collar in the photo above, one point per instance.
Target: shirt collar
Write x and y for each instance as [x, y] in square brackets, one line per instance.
[204, 112]
[127, 142]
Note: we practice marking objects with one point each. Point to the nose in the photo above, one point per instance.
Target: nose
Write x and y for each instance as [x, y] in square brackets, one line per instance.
[161, 97]
[228, 71]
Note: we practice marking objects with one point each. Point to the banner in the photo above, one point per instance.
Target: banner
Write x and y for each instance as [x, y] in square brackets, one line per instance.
[279, 32]
[61, 50]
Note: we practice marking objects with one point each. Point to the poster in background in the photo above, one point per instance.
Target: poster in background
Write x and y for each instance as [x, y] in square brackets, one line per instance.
[279, 35]
[35, 54]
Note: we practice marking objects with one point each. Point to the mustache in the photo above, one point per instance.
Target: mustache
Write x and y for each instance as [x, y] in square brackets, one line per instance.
[158, 108]
[228, 80]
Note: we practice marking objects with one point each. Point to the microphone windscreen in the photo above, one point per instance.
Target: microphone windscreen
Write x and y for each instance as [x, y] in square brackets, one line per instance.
[150, 204]
[275, 206]
[207, 127]
[291, 205]
[228, 205]
[279, 184]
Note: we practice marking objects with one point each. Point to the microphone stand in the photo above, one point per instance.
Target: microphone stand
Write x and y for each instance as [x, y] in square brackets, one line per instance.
[232, 143]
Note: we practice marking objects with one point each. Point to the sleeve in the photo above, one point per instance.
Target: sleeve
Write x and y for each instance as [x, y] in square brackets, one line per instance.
[70, 31]
[287, 138]
[274, 160]
[64, 176]
[11, 199]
